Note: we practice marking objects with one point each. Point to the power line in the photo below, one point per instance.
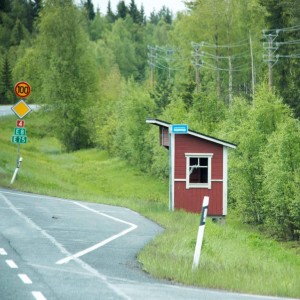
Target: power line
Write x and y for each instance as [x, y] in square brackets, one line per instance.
[272, 47]
[293, 42]
[286, 29]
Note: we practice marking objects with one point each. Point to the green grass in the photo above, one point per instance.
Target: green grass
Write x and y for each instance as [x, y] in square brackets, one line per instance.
[235, 257]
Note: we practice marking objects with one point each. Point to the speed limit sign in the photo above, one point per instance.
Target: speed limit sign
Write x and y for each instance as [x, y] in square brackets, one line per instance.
[22, 89]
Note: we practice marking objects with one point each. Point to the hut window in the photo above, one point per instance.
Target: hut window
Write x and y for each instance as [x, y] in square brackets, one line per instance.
[198, 170]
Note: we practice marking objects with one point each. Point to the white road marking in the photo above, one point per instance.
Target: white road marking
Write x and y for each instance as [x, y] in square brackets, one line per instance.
[38, 295]
[25, 278]
[2, 251]
[61, 248]
[34, 196]
[101, 244]
[11, 264]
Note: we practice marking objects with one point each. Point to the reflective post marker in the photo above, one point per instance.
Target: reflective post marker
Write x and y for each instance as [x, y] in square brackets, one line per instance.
[200, 232]
[16, 170]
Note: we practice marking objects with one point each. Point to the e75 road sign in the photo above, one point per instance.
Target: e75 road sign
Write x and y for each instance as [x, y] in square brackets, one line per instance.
[19, 139]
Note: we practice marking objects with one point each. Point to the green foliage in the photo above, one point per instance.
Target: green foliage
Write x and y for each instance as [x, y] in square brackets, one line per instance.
[163, 14]
[88, 5]
[134, 12]
[286, 14]
[133, 107]
[233, 257]
[104, 111]
[18, 33]
[207, 112]
[264, 168]
[28, 68]
[120, 41]
[161, 96]
[68, 71]
[5, 5]
[6, 85]
[122, 10]
[91, 72]
[281, 180]
[222, 30]
[97, 27]
[159, 163]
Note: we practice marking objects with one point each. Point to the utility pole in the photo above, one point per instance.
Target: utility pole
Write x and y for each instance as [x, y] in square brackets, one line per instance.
[217, 63]
[151, 61]
[169, 58]
[252, 68]
[197, 48]
[230, 79]
[270, 57]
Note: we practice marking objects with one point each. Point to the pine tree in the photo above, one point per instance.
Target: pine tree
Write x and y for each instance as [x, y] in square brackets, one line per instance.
[90, 9]
[37, 6]
[134, 12]
[142, 18]
[122, 10]
[166, 15]
[18, 33]
[109, 14]
[5, 5]
[6, 86]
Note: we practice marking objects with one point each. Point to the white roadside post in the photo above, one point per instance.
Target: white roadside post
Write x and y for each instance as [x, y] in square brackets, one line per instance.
[200, 233]
[16, 170]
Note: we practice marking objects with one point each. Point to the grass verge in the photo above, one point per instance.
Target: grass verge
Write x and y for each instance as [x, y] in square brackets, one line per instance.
[235, 257]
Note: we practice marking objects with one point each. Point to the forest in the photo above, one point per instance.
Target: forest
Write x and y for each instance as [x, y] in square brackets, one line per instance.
[228, 68]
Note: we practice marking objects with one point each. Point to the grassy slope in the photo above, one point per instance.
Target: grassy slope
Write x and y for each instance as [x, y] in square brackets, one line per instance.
[235, 257]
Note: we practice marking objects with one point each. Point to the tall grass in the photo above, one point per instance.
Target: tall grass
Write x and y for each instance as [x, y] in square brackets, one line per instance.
[235, 257]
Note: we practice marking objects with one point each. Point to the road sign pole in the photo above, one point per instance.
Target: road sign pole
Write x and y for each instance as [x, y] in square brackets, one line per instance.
[18, 154]
[21, 109]
[170, 170]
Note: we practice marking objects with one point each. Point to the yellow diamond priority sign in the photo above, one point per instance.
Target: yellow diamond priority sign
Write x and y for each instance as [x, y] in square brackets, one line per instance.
[21, 109]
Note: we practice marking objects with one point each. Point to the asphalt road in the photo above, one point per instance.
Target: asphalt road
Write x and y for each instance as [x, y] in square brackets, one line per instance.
[52, 248]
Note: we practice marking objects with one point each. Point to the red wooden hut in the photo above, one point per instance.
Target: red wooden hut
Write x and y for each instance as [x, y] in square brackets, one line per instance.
[198, 168]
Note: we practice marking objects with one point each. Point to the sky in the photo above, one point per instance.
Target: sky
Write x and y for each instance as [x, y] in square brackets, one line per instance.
[149, 5]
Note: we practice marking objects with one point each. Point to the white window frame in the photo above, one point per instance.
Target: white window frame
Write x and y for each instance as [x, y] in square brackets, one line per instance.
[198, 155]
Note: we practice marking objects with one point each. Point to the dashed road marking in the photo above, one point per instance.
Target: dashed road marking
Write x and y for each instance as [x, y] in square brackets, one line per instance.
[38, 295]
[2, 251]
[25, 278]
[63, 250]
[11, 264]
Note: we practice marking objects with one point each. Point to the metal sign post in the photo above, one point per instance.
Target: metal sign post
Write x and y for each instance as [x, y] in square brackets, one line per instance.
[173, 129]
[171, 168]
[21, 109]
